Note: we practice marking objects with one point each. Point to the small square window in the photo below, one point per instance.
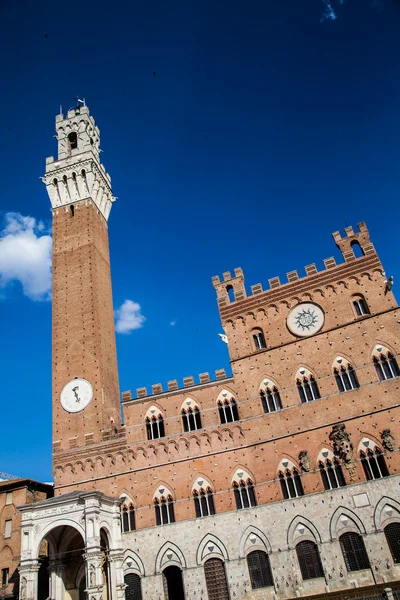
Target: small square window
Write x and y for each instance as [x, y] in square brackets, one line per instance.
[4, 577]
[7, 528]
[9, 498]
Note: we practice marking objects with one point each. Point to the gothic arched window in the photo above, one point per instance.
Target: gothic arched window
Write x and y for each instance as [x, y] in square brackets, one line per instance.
[385, 364]
[360, 306]
[354, 552]
[392, 533]
[154, 424]
[309, 560]
[243, 490]
[331, 473]
[228, 410]
[307, 386]
[259, 569]
[204, 502]
[164, 508]
[128, 517]
[346, 378]
[258, 339]
[373, 462]
[291, 484]
[191, 418]
[270, 399]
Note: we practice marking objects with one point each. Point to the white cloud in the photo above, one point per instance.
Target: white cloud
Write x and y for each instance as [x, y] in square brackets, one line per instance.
[25, 256]
[172, 323]
[128, 317]
[329, 12]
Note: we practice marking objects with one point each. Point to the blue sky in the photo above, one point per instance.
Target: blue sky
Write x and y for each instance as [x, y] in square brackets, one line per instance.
[236, 134]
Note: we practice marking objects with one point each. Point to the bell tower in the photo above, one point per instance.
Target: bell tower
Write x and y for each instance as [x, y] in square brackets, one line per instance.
[85, 388]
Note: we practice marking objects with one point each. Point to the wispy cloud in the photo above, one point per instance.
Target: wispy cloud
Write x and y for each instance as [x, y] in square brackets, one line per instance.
[172, 323]
[25, 256]
[128, 317]
[330, 14]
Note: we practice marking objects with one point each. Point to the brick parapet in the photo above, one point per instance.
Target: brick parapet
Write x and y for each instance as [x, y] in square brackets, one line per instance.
[157, 391]
[293, 288]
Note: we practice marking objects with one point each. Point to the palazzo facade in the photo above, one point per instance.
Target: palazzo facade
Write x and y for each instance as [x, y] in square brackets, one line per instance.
[280, 481]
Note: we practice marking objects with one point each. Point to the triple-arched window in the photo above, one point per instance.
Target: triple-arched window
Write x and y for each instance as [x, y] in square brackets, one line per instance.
[204, 502]
[259, 569]
[154, 423]
[331, 470]
[392, 533]
[309, 560]
[354, 552]
[191, 418]
[128, 518]
[227, 408]
[307, 386]
[270, 398]
[345, 375]
[243, 490]
[164, 506]
[372, 460]
[385, 364]
[290, 481]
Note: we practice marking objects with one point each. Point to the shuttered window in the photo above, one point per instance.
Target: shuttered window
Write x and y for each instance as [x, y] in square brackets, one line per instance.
[392, 533]
[134, 589]
[259, 569]
[309, 560]
[354, 552]
[217, 587]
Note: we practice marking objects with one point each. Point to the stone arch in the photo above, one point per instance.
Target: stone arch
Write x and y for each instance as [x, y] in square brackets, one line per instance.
[253, 539]
[47, 530]
[133, 563]
[386, 511]
[384, 348]
[211, 547]
[345, 520]
[201, 481]
[169, 555]
[301, 529]
[319, 291]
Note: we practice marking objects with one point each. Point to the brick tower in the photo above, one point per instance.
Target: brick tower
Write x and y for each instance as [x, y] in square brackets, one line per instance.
[85, 375]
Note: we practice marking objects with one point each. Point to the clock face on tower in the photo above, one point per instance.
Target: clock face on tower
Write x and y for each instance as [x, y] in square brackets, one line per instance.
[76, 395]
[305, 319]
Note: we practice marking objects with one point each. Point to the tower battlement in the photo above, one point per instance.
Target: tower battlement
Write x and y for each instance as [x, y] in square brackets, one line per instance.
[345, 244]
[77, 173]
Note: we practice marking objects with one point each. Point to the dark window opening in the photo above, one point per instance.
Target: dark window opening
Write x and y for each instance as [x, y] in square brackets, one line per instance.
[346, 378]
[73, 140]
[309, 560]
[308, 389]
[354, 552]
[392, 533]
[217, 586]
[128, 518]
[72, 209]
[191, 419]
[358, 251]
[259, 569]
[231, 293]
[173, 583]
[133, 591]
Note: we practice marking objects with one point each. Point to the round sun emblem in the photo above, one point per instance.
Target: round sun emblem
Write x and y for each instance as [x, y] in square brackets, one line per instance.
[305, 319]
